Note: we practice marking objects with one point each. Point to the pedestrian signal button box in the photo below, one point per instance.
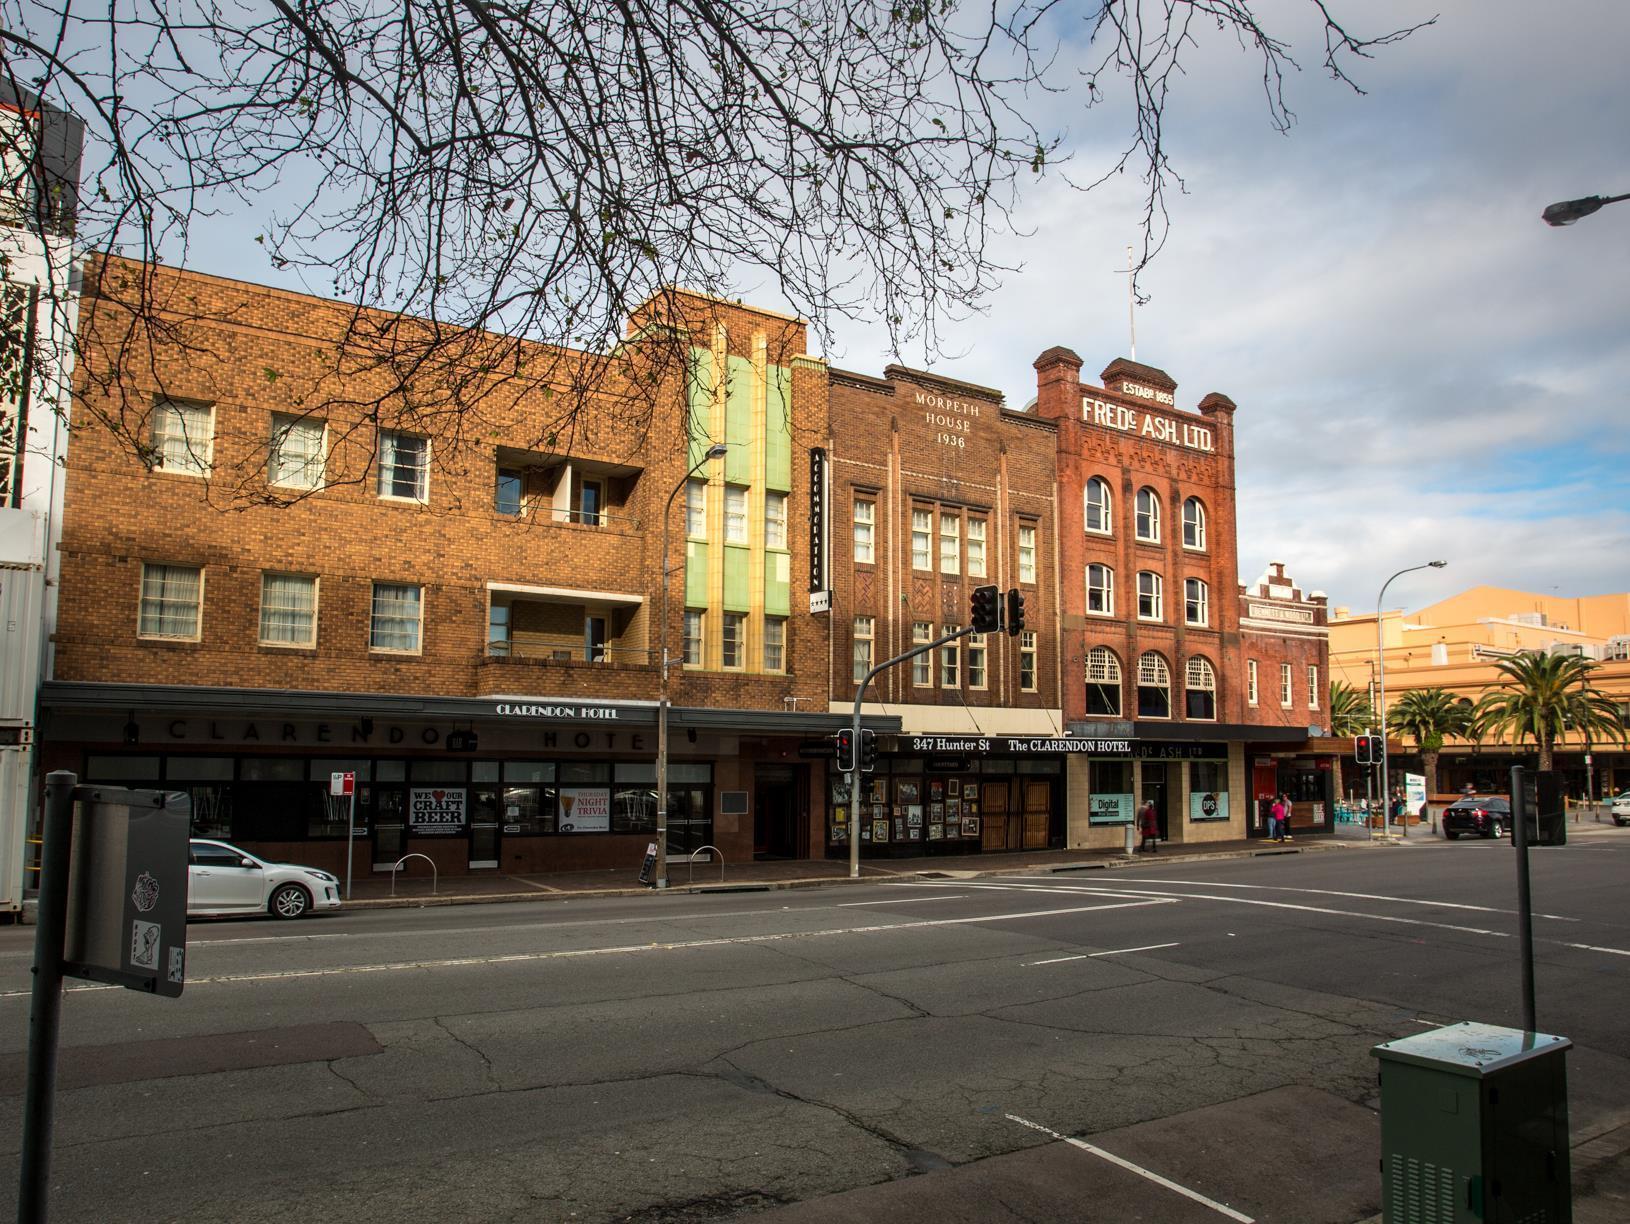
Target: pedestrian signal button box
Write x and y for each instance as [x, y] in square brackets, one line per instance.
[1474, 1127]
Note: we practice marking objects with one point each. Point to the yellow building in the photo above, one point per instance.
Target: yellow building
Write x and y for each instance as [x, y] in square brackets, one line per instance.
[1455, 643]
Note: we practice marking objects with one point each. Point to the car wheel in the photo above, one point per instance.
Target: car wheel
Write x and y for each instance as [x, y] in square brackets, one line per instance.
[1621, 821]
[1450, 834]
[1496, 829]
[290, 901]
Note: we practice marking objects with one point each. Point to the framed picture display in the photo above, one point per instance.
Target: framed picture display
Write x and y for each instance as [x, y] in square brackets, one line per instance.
[880, 830]
[879, 811]
[899, 828]
[907, 790]
[914, 816]
[840, 833]
[970, 826]
[953, 809]
[840, 792]
[936, 831]
[840, 815]
[936, 788]
[936, 811]
[953, 787]
[880, 790]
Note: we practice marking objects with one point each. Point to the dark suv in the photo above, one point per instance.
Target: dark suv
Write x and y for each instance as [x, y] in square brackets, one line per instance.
[1484, 815]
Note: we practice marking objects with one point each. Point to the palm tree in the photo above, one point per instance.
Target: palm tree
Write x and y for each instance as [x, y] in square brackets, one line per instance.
[1427, 716]
[1544, 696]
[1350, 712]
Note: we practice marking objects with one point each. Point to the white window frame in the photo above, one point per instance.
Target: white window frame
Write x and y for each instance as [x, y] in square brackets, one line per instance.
[1199, 676]
[387, 443]
[373, 619]
[735, 514]
[1103, 668]
[1154, 597]
[775, 520]
[1194, 540]
[1196, 602]
[865, 530]
[1106, 588]
[950, 536]
[142, 631]
[696, 509]
[1107, 516]
[951, 661]
[733, 641]
[1027, 660]
[976, 547]
[922, 539]
[775, 644]
[274, 643]
[922, 667]
[693, 629]
[863, 633]
[1027, 552]
[311, 471]
[978, 654]
[1160, 680]
[1146, 517]
[1312, 686]
[189, 459]
[1285, 698]
[1251, 691]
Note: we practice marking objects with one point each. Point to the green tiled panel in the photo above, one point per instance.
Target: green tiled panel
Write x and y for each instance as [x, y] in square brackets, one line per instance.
[738, 422]
[696, 561]
[735, 579]
[778, 431]
[776, 584]
[701, 402]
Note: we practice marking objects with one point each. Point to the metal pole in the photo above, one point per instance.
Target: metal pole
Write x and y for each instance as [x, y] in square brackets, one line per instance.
[1381, 675]
[1369, 796]
[1525, 906]
[45, 1014]
[350, 837]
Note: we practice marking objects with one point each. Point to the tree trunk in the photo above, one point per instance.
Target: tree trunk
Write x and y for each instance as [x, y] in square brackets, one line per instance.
[1546, 743]
[1429, 764]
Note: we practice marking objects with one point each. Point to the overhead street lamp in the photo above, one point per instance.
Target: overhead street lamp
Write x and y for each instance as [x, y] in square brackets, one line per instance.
[717, 451]
[1569, 211]
[1381, 673]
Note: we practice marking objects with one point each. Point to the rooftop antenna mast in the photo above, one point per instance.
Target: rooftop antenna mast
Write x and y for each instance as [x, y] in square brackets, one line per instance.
[1131, 271]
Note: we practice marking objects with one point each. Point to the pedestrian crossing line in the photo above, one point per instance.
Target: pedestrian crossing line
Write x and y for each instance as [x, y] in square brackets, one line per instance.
[1059, 960]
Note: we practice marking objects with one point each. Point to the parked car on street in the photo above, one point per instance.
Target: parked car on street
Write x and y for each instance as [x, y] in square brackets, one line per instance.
[1482, 815]
[222, 879]
[1621, 808]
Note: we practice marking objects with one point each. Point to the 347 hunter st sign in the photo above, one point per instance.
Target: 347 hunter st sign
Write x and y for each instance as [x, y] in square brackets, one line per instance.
[1051, 745]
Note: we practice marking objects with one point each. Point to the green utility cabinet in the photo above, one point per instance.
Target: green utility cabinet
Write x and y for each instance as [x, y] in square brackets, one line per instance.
[1474, 1127]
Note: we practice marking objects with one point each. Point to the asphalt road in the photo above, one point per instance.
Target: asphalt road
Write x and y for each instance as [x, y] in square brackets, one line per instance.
[1172, 1042]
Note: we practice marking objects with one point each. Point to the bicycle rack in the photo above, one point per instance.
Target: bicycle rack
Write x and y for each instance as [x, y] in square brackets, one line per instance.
[691, 859]
[397, 866]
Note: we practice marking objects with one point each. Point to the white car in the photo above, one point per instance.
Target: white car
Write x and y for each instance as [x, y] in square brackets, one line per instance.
[1621, 809]
[222, 879]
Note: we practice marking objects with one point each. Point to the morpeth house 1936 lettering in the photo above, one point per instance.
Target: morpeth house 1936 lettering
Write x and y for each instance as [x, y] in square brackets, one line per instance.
[1145, 425]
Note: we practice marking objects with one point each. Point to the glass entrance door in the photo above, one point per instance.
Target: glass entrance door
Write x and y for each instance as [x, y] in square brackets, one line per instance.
[390, 827]
[484, 828]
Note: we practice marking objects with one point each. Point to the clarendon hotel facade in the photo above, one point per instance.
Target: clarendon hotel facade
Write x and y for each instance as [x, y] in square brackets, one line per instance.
[471, 623]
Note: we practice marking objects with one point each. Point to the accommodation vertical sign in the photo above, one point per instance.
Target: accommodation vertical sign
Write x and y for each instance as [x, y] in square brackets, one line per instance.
[820, 594]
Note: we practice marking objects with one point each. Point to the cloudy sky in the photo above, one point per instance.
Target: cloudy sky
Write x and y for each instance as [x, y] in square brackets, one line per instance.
[1423, 369]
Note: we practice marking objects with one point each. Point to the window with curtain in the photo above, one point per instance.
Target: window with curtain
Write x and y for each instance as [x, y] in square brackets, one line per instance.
[922, 539]
[171, 601]
[950, 543]
[775, 643]
[296, 452]
[693, 638]
[696, 509]
[397, 617]
[735, 514]
[1103, 683]
[288, 610]
[775, 520]
[182, 436]
[1027, 553]
[404, 466]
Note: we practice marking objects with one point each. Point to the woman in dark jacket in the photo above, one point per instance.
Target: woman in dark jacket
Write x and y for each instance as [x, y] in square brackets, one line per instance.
[1149, 826]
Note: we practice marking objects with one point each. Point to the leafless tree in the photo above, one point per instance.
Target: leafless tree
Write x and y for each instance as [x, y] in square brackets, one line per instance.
[478, 178]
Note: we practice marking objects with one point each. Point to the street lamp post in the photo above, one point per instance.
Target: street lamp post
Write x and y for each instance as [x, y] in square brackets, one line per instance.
[717, 451]
[1381, 674]
[1569, 211]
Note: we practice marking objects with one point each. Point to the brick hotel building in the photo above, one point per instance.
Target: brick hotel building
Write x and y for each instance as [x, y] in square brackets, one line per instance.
[471, 622]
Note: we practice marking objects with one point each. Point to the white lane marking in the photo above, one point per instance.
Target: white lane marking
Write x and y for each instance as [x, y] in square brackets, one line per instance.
[1122, 1162]
[1357, 896]
[212, 943]
[900, 901]
[1594, 948]
[1059, 960]
[578, 953]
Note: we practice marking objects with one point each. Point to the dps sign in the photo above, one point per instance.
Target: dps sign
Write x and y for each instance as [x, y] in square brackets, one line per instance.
[127, 889]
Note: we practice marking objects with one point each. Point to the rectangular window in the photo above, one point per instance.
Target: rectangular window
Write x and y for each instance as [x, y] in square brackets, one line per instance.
[733, 641]
[922, 667]
[172, 598]
[1150, 596]
[1027, 660]
[288, 610]
[404, 466]
[735, 514]
[1196, 602]
[498, 639]
[296, 460]
[1027, 553]
[775, 520]
[976, 660]
[1312, 686]
[864, 628]
[693, 638]
[1100, 590]
[950, 544]
[951, 661]
[775, 643]
[398, 611]
[182, 436]
[507, 490]
[1250, 682]
[591, 503]
[922, 528]
[865, 532]
[976, 548]
[1284, 684]
[696, 509]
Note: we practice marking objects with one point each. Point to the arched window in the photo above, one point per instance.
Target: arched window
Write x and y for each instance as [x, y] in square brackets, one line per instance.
[1103, 682]
[1194, 524]
[1151, 596]
[1201, 686]
[1098, 506]
[1100, 590]
[1148, 516]
[1154, 686]
[1196, 602]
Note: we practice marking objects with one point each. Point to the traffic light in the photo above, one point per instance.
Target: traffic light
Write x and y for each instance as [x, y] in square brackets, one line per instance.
[846, 751]
[1015, 611]
[1367, 749]
[868, 750]
[987, 610]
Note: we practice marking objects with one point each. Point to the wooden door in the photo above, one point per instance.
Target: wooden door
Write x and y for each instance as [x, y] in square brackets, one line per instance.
[993, 816]
[1038, 810]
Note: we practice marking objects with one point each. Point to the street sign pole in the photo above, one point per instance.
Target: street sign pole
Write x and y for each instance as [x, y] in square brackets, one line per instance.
[1525, 905]
[350, 839]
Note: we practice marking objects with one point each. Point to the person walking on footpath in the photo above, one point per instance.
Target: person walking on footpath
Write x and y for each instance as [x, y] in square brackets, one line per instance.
[1284, 818]
[1276, 819]
[1149, 826]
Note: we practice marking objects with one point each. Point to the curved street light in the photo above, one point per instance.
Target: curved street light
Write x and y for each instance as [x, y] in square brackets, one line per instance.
[1569, 211]
[717, 451]
[1381, 673]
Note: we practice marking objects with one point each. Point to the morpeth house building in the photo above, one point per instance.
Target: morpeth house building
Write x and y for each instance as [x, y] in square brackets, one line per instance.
[291, 566]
